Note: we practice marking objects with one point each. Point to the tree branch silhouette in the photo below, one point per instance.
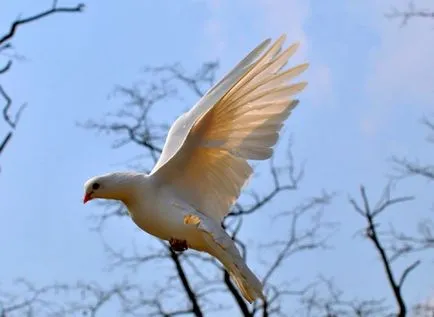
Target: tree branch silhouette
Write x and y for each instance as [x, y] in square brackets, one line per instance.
[370, 215]
[9, 119]
[327, 300]
[409, 13]
[405, 243]
[57, 299]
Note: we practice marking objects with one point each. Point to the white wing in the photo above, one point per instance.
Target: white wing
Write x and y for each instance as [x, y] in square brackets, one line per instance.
[181, 127]
[205, 156]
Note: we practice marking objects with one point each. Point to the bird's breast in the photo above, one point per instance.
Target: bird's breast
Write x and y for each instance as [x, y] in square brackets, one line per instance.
[163, 216]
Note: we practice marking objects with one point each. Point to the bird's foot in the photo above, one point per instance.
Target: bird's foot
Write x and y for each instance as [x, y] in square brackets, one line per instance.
[178, 245]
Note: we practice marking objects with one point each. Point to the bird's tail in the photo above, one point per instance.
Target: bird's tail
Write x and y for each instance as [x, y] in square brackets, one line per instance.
[220, 245]
[246, 281]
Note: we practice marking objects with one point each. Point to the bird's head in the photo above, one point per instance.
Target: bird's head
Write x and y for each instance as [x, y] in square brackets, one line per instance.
[109, 186]
[97, 187]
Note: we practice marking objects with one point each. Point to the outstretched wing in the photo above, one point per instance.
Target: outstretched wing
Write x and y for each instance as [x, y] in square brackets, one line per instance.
[181, 127]
[205, 156]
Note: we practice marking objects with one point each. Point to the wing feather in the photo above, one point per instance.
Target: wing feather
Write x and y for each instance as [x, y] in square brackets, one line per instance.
[206, 152]
[181, 127]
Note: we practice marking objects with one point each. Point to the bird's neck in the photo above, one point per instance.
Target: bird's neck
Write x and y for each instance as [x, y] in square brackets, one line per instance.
[130, 186]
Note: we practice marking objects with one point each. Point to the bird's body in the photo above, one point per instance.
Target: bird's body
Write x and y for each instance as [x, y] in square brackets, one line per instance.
[159, 212]
[203, 165]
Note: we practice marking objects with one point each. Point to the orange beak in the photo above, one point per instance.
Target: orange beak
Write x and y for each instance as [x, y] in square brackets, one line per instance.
[87, 197]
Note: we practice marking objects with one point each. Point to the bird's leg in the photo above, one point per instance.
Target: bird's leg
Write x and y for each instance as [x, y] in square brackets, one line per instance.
[178, 245]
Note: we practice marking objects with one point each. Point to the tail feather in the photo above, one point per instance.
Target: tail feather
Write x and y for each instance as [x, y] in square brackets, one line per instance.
[246, 281]
[248, 284]
[220, 245]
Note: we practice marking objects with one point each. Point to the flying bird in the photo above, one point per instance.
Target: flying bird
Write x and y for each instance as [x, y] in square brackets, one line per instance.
[204, 162]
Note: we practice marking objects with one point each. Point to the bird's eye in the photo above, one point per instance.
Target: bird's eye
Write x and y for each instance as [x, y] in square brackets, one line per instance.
[95, 186]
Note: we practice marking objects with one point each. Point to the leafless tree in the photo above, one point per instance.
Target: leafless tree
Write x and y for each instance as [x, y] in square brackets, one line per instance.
[195, 282]
[403, 242]
[391, 245]
[327, 300]
[11, 117]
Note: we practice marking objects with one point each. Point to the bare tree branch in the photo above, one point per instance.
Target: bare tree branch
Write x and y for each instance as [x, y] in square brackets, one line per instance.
[54, 9]
[58, 300]
[5, 141]
[409, 13]
[403, 243]
[328, 301]
[134, 121]
[196, 310]
[370, 215]
[294, 175]
[405, 167]
[6, 67]
[301, 240]
[198, 82]
[6, 115]
[5, 44]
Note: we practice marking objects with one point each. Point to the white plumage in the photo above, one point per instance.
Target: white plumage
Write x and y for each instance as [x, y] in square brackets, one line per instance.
[204, 163]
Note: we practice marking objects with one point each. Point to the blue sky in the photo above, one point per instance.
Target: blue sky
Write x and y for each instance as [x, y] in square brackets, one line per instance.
[370, 81]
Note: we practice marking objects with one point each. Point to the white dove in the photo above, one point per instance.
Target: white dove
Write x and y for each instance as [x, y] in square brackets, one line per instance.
[203, 165]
